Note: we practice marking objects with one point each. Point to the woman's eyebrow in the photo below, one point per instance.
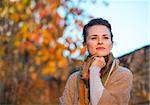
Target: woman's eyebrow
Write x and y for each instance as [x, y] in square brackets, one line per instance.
[93, 35]
[97, 35]
[105, 35]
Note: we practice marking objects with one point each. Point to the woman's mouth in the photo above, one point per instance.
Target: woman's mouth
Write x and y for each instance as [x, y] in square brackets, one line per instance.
[100, 48]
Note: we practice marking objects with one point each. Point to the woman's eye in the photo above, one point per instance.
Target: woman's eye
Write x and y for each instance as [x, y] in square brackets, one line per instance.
[93, 38]
[106, 37]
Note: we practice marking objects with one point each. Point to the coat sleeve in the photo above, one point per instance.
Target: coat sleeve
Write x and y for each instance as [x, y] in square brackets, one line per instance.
[68, 94]
[118, 91]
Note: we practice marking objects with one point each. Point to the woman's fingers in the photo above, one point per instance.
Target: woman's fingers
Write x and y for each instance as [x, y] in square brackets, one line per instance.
[99, 62]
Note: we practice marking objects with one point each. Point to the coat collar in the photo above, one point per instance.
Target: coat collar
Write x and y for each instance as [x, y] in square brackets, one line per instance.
[114, 67]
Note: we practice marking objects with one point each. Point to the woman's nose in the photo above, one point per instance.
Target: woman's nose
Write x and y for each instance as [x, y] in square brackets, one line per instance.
[100, 41]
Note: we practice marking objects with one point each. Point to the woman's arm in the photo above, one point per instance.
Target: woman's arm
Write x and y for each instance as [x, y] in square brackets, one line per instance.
[67, 97]
[118, 92]
[96, 87]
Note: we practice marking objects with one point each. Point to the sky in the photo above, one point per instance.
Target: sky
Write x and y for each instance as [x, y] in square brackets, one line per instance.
[130, 23]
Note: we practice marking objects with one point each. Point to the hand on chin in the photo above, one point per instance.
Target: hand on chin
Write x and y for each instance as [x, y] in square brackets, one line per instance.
[98, 62]
[100, 54]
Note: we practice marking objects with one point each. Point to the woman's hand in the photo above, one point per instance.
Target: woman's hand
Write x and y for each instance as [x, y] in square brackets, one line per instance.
[98, 62]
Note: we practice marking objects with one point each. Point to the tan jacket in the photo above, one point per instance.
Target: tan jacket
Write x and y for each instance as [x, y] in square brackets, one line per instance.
[116, 92]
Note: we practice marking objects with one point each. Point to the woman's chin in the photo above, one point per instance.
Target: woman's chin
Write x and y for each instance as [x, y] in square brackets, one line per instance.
[102, 54]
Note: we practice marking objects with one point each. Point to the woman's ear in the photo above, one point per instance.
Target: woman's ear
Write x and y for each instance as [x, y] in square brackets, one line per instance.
[112, 45]
[84, 44]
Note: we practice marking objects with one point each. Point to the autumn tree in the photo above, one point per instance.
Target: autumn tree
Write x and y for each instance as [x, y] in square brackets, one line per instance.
[31, 46]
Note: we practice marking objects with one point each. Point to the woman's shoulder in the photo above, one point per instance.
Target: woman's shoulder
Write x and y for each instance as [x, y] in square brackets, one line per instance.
[121, 74]
[121, 70]
[124, 70]
[73, 76]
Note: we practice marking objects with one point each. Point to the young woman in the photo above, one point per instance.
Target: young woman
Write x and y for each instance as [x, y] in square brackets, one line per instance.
[102, 81]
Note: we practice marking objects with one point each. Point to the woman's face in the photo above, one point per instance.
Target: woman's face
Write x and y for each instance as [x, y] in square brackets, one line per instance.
[98, 40]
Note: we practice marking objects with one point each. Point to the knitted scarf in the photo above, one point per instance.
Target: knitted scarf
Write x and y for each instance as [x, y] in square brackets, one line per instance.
[83, 85]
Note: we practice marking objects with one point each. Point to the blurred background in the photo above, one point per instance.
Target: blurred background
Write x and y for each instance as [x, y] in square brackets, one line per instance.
[41, 45]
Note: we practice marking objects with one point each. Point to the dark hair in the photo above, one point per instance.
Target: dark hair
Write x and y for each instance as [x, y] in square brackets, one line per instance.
[97, 21]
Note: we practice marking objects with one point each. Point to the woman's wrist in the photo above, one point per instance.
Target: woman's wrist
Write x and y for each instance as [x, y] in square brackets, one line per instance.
[95, 70]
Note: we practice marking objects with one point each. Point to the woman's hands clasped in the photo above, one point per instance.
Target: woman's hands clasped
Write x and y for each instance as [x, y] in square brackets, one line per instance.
[98, 62]
[92, 62]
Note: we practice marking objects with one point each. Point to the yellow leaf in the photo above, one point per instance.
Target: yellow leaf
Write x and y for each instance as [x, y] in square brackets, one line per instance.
[24, 28]
[51, 64]
[82, 51]
[46, 36]
[63, 63]
[24, 16]
[34, 76]
[49, 69]
[14, 17]
[20, 6]
[59, 54]
[45, 54]
[38, 60]
[2, 53]
[17, 43]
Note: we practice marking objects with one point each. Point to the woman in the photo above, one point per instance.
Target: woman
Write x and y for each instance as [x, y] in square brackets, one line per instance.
[102, 81]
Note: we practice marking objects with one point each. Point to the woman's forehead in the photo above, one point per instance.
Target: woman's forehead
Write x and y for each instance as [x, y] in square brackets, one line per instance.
[95, 35]
[98, 30]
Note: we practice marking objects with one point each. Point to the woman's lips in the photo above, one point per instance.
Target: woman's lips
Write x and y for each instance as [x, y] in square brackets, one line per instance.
[100, 48]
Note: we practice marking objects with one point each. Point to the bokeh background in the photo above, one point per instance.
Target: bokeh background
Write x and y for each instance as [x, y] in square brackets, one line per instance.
[41, 45]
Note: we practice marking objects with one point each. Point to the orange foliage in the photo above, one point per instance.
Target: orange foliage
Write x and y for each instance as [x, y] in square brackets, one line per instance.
[49, 69]
[34, 76]
[63, 63]
[82, 50]
[59, 54]
[38, 28]
[29, 42]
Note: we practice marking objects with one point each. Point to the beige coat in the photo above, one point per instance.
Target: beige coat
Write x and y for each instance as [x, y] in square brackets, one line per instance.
[116, 92]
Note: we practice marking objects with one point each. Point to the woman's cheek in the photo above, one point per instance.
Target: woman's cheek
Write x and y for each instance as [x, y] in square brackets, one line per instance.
[91, 45]
[91, 49]
[109, 46]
